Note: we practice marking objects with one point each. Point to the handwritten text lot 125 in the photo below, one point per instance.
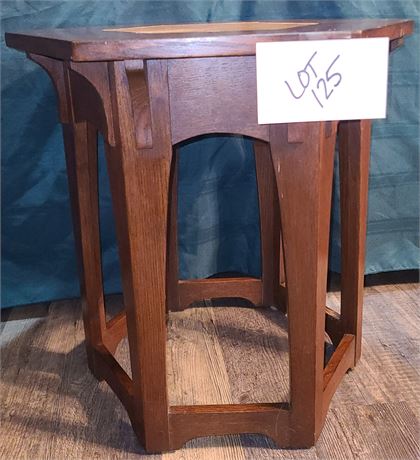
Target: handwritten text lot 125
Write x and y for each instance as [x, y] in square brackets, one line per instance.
[322, 80]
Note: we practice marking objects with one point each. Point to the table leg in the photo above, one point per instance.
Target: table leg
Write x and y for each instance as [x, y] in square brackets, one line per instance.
[139, 179]
[354, 149]
[172, 274]
[303, 157]
[271, 248]
[80, 140]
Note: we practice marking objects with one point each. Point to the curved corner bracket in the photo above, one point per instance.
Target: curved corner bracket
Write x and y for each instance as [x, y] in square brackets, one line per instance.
[91, 96]
[56, 71]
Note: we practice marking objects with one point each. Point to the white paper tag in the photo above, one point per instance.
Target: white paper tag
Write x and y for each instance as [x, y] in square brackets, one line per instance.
[322, 80]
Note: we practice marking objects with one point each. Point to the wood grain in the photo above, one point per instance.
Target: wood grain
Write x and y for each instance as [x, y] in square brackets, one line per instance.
[51, 405]
[190, 291]
[272, 269]
[144, 107]
[93, 44]
[305, 241]
[172, 266]
[354, 154]
[197, 375]
[91, 96]
[388, 431]
[142, 228]
[140, 103]
[260, 374]
[337, 366]
[57, 73]
[193, 84]
[80, 140]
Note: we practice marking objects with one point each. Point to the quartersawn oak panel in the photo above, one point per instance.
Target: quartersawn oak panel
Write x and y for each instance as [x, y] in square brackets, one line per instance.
[194, 109]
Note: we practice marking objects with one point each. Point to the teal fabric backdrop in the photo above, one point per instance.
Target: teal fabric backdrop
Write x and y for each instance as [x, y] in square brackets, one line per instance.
[218, 211]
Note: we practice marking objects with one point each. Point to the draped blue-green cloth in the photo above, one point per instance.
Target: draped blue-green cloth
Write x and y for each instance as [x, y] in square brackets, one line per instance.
[218, 206]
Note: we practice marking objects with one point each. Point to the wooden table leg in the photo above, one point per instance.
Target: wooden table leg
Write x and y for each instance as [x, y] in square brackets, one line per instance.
[354, 149]
[303, 157]
[172, 273]
[80, 140]
[271, 248]
[139, 180]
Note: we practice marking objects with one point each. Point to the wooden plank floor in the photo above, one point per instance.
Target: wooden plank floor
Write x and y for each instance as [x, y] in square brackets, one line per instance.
[52, 408]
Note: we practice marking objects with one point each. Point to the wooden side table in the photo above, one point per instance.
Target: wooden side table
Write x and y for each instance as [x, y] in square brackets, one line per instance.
[139, 87]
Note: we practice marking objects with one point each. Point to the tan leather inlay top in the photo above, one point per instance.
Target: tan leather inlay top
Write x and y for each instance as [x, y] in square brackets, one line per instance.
[211, 27]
